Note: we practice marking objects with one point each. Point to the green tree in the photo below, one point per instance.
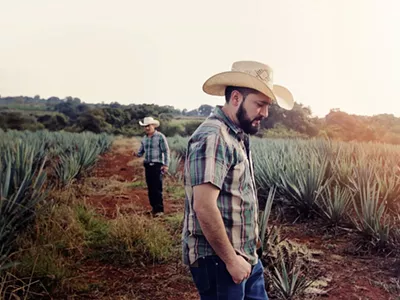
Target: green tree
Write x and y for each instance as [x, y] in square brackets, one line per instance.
[93, 120]
[116, 117]
[298, 119]
[205, 110]
[53, 122]
[19, 121]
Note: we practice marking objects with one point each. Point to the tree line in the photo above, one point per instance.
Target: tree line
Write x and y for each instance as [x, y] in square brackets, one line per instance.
[73, 115]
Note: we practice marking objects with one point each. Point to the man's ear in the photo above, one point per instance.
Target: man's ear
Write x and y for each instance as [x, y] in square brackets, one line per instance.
[236, 98]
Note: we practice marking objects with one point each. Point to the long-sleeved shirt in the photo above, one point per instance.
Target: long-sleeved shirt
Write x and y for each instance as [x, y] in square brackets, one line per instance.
[155, 149]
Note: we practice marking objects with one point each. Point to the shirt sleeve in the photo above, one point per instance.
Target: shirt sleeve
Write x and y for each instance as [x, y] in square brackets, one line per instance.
[208, 161]
[165, 149]
[141, 149]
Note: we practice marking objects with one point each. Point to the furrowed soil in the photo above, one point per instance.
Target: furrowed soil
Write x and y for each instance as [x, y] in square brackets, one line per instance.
[350, 276]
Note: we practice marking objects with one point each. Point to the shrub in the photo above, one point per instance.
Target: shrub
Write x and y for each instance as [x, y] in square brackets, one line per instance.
[137, 238]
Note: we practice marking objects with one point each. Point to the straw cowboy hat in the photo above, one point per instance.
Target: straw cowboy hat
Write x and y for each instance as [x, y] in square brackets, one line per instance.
[250, 74]
[149, 121]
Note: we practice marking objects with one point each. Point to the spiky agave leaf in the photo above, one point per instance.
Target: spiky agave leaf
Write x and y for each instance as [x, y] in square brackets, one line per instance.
[304, 185]
[175, 160]
[372, 218]
[265, 215]
[17, 207]
[334, 204]
[289, 281]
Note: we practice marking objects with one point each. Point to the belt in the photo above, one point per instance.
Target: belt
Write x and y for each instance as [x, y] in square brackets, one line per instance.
[196, 263]
[151, 164]
[259, 251]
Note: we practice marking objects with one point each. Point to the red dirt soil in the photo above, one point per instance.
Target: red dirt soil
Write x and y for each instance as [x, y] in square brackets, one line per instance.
[352, 277]
[159, 281]
[125, 168]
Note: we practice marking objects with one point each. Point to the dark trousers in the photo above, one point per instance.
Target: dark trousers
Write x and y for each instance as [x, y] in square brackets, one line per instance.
[154, 186]
[214, 282]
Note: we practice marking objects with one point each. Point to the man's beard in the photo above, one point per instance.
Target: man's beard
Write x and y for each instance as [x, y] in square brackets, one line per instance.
[244, 121]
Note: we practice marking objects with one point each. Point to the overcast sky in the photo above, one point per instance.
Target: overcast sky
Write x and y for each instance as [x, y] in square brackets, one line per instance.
[330, 53]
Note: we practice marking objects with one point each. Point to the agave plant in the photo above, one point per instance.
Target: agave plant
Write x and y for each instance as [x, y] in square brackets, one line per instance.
[389, 184]
[67, 168]
[178, 145]
[268, 170]
[305, 184]
[291, 267]
[80, 156]
[17, 203]
[334, 204]
[175, 161]
[372, 218]
[104, 142]
[343, 167]
[23, 180]
[289, 280]
[87, 155]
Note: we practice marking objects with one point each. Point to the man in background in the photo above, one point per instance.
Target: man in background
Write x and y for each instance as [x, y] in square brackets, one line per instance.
[154, 147]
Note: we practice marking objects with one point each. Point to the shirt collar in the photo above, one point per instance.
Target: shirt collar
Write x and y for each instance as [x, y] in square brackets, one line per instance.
[155, 133]
[220, 115]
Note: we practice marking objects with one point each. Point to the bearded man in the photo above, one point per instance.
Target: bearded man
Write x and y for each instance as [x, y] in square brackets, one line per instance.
[221, 242]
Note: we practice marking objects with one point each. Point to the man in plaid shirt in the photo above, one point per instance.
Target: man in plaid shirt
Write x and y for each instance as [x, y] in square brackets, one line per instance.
[220, 234]
[154, 147]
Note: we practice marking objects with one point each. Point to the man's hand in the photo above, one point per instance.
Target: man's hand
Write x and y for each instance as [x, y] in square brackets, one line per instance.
[212, 225]
[239, 269]
[164, 169]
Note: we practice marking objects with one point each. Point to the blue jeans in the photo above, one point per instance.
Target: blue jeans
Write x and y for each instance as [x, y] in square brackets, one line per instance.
[214, 282]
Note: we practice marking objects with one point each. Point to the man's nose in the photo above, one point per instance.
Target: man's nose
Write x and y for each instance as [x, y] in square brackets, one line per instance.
[264, 112]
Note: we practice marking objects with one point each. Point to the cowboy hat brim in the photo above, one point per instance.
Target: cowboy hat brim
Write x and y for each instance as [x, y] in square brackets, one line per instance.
[216, 85]
[155, 123]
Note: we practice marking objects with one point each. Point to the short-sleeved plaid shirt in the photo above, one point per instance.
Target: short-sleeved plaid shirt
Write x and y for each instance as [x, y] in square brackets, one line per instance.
[218, 153]
[155, 149]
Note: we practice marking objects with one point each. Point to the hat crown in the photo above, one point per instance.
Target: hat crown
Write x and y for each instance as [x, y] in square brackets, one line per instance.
[256, 69]
[148, 120]
[250, 74]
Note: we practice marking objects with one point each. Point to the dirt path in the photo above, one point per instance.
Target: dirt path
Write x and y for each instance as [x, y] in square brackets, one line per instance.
[118, 171]
[351, 276]
[119, 166]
